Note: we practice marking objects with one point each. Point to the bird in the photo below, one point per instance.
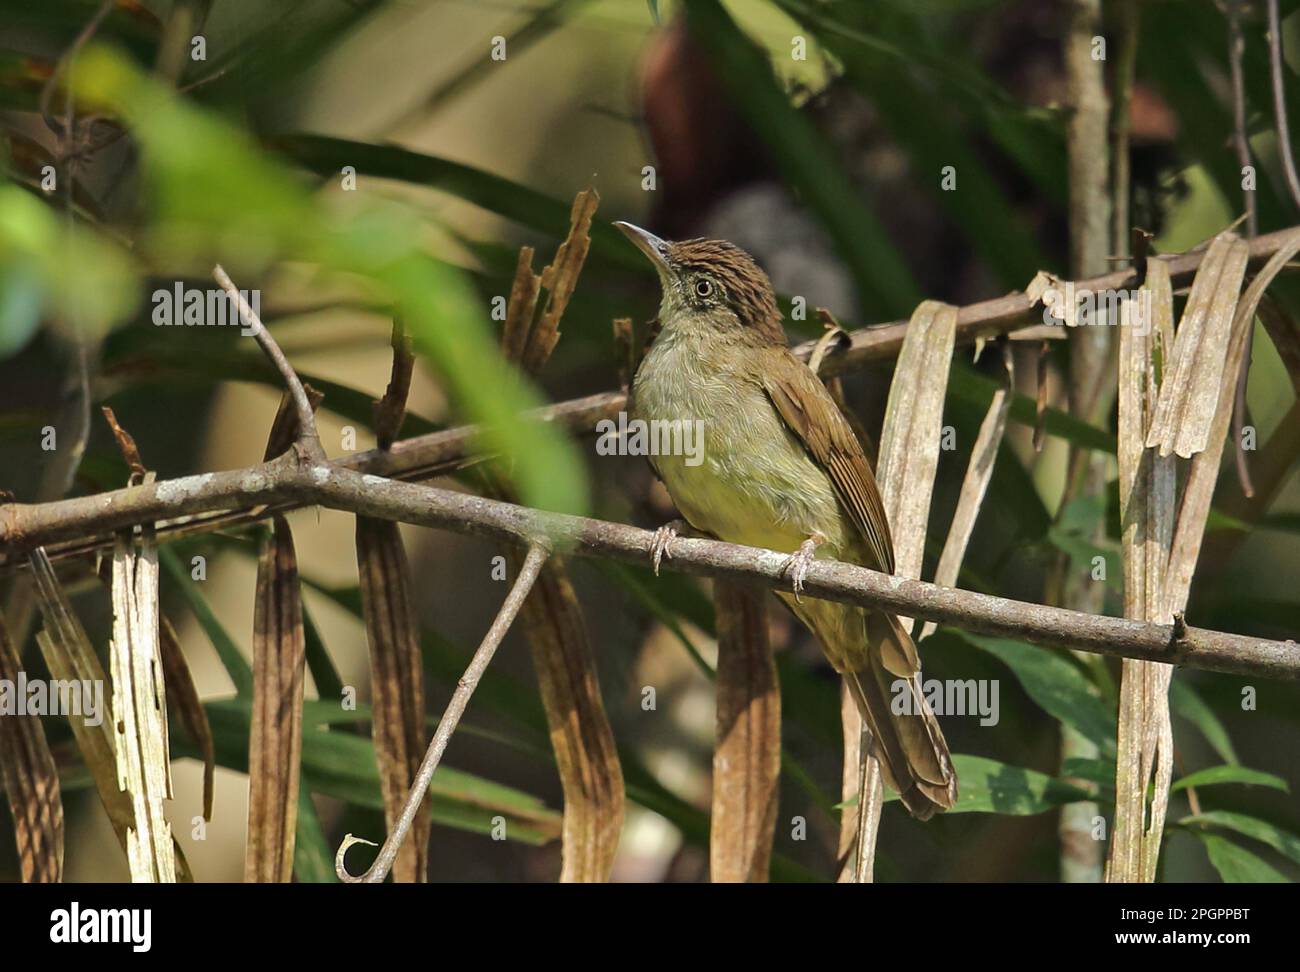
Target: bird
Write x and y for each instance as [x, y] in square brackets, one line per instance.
[782, 469]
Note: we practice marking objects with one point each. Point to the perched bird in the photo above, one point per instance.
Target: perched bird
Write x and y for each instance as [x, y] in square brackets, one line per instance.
[782, 469]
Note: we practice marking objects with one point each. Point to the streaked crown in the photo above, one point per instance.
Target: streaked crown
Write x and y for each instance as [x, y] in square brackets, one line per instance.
[713, 274]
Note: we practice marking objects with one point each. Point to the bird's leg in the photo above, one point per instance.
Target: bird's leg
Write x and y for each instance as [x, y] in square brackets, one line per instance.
[798, 563]
[665, 535]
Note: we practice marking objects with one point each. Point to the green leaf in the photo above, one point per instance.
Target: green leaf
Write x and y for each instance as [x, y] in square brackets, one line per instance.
[650, 597]
[1215, 775]
[83, 279]
[1098, 771]
[325, 156]
[329, 685]
[1187, 703]
[1073, 535]
[1282, 841]
[342, 765]
[1236, 865]
[313, 858]
[678, 593]
[988, 786]
[189, 358]
[287, 42]
[241, 674]
[21, 297]
[1055, 683]
[970, 385]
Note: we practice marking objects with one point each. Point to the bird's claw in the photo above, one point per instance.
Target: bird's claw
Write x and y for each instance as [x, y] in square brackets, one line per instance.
[797, 565]
[665, 535]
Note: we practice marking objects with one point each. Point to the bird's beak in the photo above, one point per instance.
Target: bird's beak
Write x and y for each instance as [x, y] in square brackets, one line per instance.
[649, 244]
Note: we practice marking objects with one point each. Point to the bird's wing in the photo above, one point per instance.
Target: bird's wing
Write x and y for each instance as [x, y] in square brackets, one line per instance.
[808, 409]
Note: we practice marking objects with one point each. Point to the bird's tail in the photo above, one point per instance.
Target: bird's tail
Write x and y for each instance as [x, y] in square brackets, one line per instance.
[908, 742]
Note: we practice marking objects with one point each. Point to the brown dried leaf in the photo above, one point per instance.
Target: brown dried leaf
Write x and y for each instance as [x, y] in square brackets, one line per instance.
[140, 710]
[275, 740]
[590, 773]
[391, 409]
[521, 308]
[1040, 399]
[909, 458]
[836, 339]
[183, 695]
[126, 444]
[397, 684]
[31, 783]
[1189, 391]
[70, 657]
[1147, 508]
[909, 442]
[1199, 488]
[559, 280]
[747, 754]
[976, 483]
[284, 428]
[625, 350]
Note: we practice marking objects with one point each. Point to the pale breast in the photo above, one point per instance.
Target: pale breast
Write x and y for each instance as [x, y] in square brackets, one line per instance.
[754, 483]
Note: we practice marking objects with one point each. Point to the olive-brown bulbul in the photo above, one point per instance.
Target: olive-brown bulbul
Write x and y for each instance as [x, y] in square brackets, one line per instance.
[782, 469]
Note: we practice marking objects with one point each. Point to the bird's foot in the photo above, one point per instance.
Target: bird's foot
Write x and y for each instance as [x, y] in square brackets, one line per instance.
[665, 535]
[797, 565]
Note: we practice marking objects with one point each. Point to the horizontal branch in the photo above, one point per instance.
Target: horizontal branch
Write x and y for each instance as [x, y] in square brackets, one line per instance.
[835, 581]
[67, 533]
[293, 478]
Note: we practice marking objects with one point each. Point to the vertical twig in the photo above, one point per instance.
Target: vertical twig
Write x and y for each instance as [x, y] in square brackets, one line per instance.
[1241, 142]
[1129, 18]
[1091, 385]
[1276, 68]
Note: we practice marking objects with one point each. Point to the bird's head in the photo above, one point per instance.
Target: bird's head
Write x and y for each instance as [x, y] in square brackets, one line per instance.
[710, 285]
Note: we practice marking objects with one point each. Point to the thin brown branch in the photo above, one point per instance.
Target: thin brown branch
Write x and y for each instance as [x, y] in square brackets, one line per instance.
[335, 487]
[1241, 143]
[1091, 385]
[538, 551]
[1276, 63]
[308, 439]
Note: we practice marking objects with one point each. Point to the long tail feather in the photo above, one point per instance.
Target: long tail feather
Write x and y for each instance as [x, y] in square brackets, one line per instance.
[913, 754]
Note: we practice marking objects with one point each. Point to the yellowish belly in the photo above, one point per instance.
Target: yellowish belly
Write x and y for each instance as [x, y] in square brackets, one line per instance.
[754, 484]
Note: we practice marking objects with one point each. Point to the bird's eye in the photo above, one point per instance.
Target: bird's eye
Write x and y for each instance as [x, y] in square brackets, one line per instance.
[703, 287]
